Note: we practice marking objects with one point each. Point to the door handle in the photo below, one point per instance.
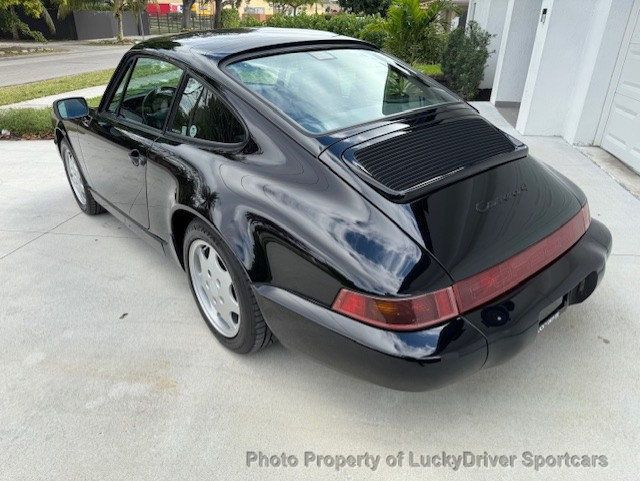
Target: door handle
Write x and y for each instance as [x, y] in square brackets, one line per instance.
[135, 156]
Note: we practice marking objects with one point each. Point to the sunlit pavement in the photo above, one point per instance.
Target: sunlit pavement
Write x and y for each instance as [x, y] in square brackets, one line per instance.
[108, 372]
[76, 58]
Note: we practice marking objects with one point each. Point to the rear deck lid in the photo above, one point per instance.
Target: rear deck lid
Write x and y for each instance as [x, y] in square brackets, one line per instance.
[480, 221]
[411, 159]
[461, 188]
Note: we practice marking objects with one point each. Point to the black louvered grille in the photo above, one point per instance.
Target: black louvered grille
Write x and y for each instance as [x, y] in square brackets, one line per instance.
[406, 161]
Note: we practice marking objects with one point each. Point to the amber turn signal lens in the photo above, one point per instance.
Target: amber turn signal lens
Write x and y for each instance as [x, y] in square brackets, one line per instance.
[404, 314]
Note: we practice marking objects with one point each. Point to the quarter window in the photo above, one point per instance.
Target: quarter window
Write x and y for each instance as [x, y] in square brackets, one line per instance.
[200, 114]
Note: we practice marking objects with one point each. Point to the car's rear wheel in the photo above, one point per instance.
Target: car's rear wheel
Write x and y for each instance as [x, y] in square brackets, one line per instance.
[83, 196]
[222, 291]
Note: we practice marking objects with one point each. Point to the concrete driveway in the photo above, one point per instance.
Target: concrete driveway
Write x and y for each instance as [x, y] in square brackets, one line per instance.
[108, 372]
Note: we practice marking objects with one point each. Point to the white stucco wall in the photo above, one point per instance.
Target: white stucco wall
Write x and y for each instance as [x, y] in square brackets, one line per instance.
[514, 53]
[593, 77]
[554, 60]
[572, 60]
[490, 15]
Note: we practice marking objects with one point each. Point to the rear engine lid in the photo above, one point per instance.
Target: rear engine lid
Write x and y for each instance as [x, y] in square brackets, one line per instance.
[411, 159]
[425, 152]
[462, 189]
[478, 222]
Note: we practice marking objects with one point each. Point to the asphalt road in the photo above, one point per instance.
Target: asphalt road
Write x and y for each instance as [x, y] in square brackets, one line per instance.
[77, 58]
[108, 372]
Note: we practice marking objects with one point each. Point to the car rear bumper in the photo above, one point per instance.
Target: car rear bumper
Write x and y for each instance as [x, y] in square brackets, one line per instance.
[431, 358]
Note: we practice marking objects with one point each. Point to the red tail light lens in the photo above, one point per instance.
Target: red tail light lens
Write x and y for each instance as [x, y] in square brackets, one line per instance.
[412, 313]
[491, 283]
[405, 314]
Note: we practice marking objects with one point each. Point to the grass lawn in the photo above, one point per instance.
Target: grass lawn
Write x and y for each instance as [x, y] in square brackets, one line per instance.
[27, 123]
[18, 93]
[31, 123]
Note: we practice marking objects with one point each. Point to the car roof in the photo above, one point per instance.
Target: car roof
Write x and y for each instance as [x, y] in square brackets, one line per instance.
[223, 43]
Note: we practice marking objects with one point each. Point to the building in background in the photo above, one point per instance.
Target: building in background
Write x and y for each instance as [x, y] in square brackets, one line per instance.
[568, 68]
[163, 8]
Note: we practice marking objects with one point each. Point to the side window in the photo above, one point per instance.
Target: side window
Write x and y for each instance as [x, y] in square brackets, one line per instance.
[117, 96]
[202, 115]
[151, 88]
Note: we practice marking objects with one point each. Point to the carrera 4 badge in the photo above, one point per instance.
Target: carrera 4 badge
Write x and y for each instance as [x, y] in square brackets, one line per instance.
[490, 204]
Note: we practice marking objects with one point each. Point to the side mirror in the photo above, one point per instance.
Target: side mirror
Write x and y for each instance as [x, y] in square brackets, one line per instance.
[71, 108]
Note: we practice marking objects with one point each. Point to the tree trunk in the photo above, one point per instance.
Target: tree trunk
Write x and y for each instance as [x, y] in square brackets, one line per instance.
[186, 14]
[48, 20]
[14, 27]
[295, 11]
[217, 18]
[120, 33]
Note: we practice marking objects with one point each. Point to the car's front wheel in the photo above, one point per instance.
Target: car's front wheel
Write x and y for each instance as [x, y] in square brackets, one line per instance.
[83, 196]
[222, 291]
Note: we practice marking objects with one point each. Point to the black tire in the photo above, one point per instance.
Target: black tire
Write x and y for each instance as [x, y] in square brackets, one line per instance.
[89, 206]
[253, 333]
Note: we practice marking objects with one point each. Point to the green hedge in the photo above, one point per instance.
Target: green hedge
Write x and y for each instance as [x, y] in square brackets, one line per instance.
[343, 24]
[423, 45]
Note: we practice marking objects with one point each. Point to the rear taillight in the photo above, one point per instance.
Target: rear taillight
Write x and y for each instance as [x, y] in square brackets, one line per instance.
[489, 284]
[411, 313]
[404, 314]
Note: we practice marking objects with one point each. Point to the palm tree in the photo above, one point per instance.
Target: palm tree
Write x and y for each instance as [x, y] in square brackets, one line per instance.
[411, 23]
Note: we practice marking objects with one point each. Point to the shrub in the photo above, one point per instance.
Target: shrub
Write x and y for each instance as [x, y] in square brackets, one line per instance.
[415, 32]
[349, 24]
[229, 18]
[464, 59]
[315, 22]
[343, 24]
[375, 33]
[250, 21]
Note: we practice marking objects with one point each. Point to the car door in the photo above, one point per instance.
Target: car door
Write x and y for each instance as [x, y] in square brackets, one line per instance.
[119, 134]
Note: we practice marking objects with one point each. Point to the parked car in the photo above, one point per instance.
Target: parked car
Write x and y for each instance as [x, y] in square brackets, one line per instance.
[317, 190]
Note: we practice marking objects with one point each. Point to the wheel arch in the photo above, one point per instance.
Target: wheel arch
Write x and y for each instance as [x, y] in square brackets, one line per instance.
[241, 238]
[181, 217]
[59, 135]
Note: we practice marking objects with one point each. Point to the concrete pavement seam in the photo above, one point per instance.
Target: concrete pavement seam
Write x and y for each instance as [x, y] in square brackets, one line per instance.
[38, 237]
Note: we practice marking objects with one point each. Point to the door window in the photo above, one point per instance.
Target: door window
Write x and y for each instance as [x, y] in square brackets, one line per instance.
[200, 114]
[149, 92]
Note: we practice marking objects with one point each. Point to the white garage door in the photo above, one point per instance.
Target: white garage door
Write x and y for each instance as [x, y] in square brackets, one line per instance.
[622, 131]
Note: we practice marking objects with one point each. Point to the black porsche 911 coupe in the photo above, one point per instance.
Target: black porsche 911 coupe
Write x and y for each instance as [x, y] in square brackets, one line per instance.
[317, 190]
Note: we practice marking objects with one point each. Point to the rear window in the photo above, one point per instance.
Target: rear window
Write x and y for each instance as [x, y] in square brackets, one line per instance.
[324, 90]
